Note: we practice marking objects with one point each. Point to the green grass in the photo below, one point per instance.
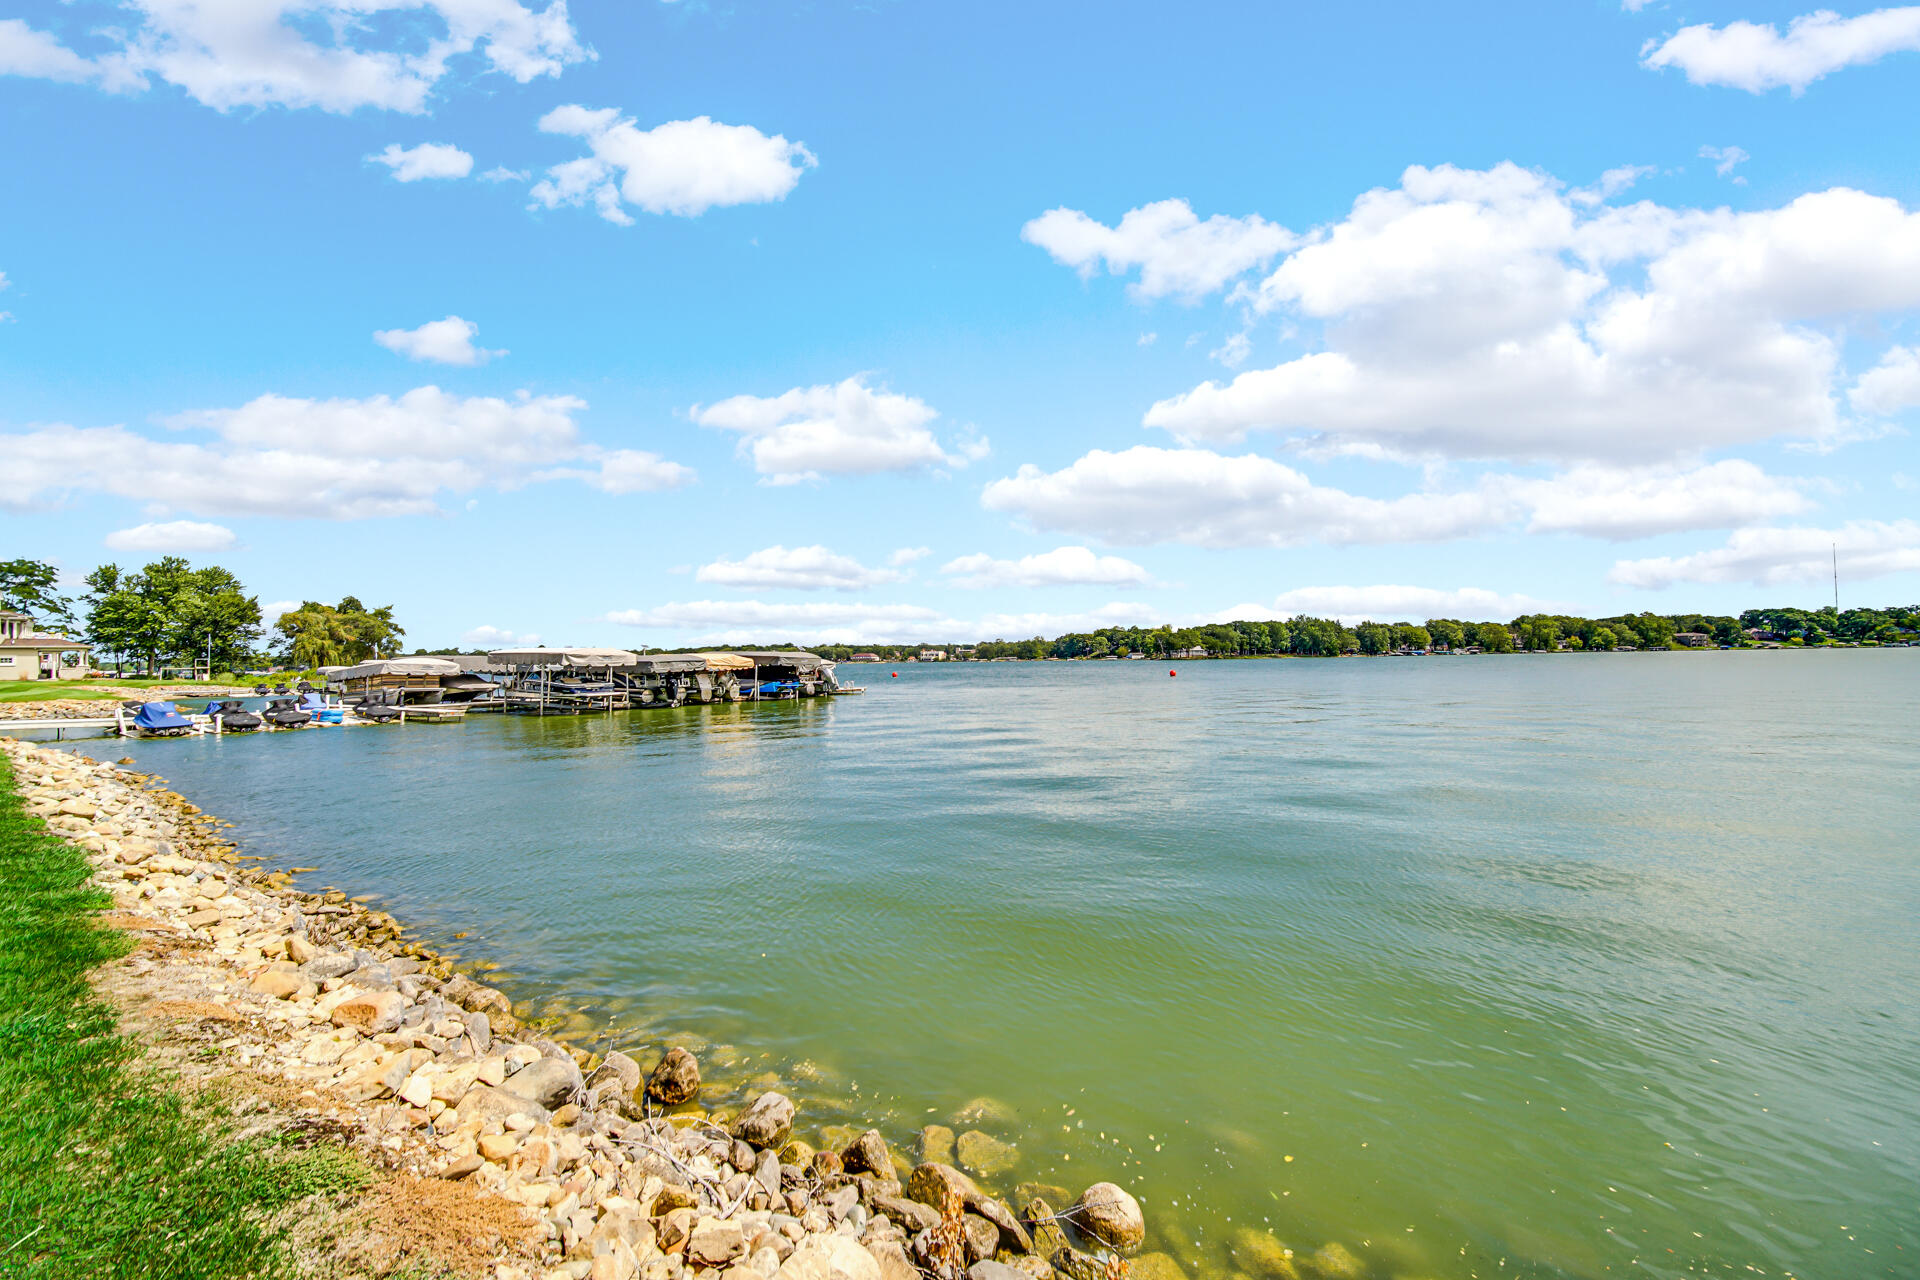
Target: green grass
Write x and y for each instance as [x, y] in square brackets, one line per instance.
[91, 690]
[105, 1171]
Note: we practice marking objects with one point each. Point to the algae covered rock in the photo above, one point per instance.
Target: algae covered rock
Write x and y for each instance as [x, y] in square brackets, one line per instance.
[935, 1145]
[767, 1122]
[1155, 1266]
[1108, 1214]
[1261, 1254]
[1334, 1261]
[985, 1156]
[934, 1184]
[991, 1112]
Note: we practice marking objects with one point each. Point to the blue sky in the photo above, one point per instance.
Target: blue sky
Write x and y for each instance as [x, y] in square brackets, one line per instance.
[651, 323]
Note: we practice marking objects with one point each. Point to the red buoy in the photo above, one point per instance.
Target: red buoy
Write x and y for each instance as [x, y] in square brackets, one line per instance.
[1172, 673]
[894, 674]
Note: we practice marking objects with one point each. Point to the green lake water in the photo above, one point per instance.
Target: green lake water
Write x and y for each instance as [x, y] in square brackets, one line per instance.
[1570, 966]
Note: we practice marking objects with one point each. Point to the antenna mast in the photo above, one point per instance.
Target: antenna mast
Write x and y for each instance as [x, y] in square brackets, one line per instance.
[1836, 583]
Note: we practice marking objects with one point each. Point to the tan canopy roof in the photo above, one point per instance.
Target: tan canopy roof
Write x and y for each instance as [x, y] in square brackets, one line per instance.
[561, 657]
[725, 661]
[397, 667]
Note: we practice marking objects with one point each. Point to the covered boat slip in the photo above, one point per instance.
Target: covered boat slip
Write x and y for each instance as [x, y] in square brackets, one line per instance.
[425, 688]
[569, 681]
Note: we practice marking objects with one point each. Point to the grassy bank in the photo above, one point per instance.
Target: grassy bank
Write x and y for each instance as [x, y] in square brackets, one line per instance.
[105, 1171]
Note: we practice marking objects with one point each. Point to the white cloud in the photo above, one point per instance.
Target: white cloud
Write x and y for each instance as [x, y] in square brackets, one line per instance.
[1020, 626]
[328, 459]
[271, 613]
[1485, 314]
[1389, 604]
[1175, 252]
[1773, 557]
[174, 535]
[1756, 57]
[1621, 503]
[738, 621]
[847, 428]
[1891, 385]
[1725, 159]
[907, 555]
[336, 55]
[1147, 495]
[683, 167]
[1611, 184]
[448, 341]
[428, 160]
[795, 568]
[492, 637]
[500, 173]
[1146, 339]
[1063, 566]
[1234, 351]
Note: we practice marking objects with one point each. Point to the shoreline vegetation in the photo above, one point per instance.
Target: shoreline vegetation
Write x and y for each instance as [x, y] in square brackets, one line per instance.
[212, 1073]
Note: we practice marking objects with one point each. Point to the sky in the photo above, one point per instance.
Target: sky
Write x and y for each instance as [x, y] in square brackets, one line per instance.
[654, 323]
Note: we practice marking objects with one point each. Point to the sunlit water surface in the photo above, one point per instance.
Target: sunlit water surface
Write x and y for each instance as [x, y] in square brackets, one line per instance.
[1535, 966]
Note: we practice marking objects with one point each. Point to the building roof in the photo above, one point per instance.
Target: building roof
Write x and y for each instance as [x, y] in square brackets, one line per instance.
[13, 615]
[40, 640]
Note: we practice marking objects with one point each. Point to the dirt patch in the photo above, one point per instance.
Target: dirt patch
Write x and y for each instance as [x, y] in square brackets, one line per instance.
[193, 1011]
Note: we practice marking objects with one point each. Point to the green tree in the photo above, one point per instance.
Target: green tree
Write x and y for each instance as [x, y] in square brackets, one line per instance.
[1447, 631]
[1374, 637]
[1493, 638]
[31, 586]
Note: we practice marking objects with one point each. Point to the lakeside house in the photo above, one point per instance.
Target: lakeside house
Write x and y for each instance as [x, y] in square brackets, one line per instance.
[1694, 639]
[1198, 651]
[28, 654]
[933, 655]
[864, 657]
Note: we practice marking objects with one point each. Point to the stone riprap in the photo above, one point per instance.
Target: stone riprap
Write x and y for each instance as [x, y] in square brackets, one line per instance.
[435, 1075]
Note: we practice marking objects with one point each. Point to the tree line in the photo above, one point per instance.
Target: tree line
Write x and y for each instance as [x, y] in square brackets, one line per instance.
[169, 614]
[1311, 637]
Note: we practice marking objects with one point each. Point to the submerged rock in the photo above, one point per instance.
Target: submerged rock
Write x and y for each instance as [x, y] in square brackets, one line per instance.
[1261, 1254]
[984, 1156]
[1155, 1266]
[1111, 1216]
[676, 1080]
[988, 1111]
[935, 1145]
[1334, 1261]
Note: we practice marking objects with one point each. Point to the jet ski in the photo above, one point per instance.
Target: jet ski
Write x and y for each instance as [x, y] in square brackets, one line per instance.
[376, 712]
[281, 713]
[233, 717]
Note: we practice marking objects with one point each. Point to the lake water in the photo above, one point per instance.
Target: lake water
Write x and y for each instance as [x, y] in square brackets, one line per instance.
[1530, 966]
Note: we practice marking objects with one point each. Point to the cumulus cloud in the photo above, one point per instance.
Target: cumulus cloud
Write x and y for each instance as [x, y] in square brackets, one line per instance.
[907, 555]
[491, 637]
[1757, 57]
[739, 621]
[1061, 567]
[1147, 495]
[1482, 314]
[1019, 626]
[1774, 557]
[795, 568]
[448, 341]
[1891, 385]
[173, 535]
[334, 55]
[428, 160]
[683, 167]
[622, 471]
[847, 428]
[1389, 604]
[328, 459]
[1173, 250]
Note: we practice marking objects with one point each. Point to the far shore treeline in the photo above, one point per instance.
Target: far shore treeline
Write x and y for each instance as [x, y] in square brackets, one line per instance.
[171, 615]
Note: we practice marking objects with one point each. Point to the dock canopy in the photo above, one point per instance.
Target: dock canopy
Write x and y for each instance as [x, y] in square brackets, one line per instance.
[557, 659]
[798, 661]
[724, 661]
[665, 664]
[396, 667]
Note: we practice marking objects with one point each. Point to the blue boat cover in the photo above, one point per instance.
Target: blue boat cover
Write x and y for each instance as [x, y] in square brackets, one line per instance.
[313, 702]
[160, 715]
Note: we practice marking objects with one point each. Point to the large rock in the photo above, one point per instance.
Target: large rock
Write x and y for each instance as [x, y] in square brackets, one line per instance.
[832, 1257]
[986, 1157]
[988, 1269]
[332, 965]
[619, 1068]
[982, 1238]
[676, 1079]
[912, 1216]
[1155, 1266]
[370, 1012]
[868, 1154]
[549, 1082]
[490, 1103]
[767, 1122]
[1111, 1216]
[933, 1184]
[1013, 1236]
[1335, 1261]
[713, 1243]
[893, 1260]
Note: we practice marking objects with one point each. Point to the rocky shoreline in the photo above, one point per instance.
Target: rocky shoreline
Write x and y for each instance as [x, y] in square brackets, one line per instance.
[611, 1164]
